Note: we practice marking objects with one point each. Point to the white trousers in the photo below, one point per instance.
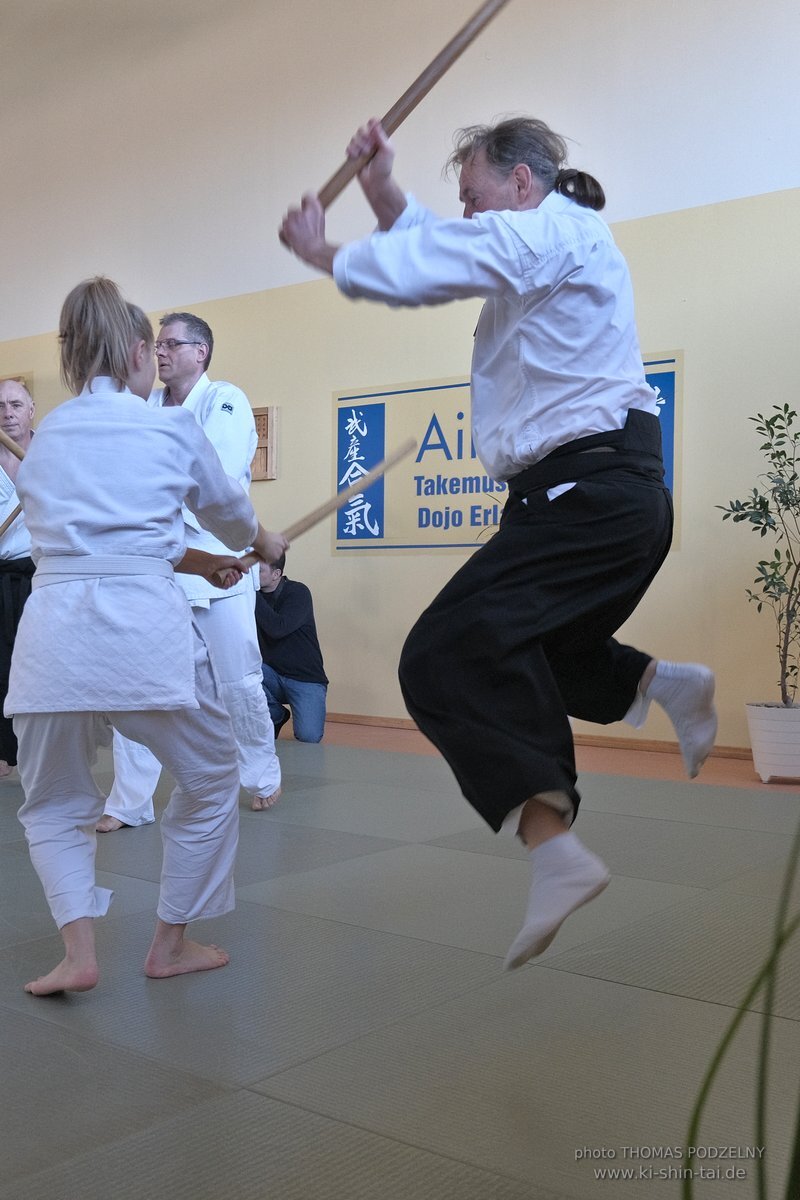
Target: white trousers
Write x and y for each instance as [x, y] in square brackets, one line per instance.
[199, 829]
[229, 628]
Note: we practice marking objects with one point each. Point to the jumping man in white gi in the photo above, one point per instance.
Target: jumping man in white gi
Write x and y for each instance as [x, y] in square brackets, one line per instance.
[522, 636]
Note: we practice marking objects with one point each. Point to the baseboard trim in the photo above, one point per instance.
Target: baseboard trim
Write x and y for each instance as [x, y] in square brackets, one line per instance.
[581, 739]
[381, 722]
[653, 747]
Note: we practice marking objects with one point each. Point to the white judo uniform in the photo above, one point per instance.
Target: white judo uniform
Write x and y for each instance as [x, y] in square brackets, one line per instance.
[107, 639]
[15, 572]
[16, 541]
[226, 619]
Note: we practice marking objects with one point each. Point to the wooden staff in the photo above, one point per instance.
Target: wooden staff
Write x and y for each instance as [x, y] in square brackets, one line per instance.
[411, 98]
[10, 519]
[16, 449]
[339, 500]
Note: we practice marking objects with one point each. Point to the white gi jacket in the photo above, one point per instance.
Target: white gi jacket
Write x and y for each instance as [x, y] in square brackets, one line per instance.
[16, 541]
[224, 414]
[556, 353]
[106, 627]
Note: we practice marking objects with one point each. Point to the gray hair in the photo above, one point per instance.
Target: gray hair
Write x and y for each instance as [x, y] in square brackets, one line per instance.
[196, 328]
[530, 141]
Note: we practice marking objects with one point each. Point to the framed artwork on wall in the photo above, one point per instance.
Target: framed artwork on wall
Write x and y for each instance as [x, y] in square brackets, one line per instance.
[265, 460]
[442, 498]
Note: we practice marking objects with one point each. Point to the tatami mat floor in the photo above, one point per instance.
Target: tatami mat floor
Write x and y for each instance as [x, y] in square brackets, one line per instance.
[364, 1043]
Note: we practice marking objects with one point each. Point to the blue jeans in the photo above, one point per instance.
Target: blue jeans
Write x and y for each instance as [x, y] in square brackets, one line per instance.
[306, 700]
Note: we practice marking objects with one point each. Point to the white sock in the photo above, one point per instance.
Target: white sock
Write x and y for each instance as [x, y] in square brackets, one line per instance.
[565, 876]
[686, 693]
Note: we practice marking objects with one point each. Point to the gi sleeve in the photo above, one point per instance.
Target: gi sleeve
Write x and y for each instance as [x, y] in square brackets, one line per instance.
[433, 261]
[226, 419]
[218, 502]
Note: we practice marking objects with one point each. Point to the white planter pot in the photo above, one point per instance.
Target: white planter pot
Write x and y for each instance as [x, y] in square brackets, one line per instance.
[775, 739]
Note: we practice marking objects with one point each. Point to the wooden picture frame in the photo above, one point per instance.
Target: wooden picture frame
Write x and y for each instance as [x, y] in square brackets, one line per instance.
[265, 460]
[25, 380]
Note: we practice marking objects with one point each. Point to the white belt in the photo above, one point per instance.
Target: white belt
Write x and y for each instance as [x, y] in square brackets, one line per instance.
[63, 568]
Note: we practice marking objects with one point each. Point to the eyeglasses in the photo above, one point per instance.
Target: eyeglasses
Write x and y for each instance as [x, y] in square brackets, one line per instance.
[172, 344]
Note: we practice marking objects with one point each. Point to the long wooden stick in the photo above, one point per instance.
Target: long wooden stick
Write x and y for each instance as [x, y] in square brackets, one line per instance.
[339, 500]
[411, 98]
[10, 519]
[11, 445]
[17, 450]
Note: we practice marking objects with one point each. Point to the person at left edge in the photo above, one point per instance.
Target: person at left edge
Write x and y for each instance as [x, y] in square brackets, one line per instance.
[16, 565]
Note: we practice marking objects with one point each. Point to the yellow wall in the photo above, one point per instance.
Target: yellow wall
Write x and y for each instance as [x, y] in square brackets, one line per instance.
[718, 283]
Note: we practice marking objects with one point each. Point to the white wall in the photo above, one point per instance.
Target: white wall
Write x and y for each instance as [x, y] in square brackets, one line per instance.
[160, 143]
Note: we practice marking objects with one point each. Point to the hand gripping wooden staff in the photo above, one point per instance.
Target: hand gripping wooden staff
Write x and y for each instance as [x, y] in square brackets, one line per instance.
[411, 98]
[339, 500]
[17, 450]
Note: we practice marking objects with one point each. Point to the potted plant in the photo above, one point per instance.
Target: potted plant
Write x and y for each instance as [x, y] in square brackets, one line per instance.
[773, 508]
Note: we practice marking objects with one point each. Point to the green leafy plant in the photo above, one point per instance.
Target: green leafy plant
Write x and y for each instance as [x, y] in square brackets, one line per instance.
[773, 507]
[766, 982]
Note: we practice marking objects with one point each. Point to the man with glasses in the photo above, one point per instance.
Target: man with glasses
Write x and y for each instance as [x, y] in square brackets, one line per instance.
[226, 619]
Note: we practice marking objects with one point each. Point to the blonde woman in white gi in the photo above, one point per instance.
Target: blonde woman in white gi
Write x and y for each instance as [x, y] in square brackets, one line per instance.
[107, 638]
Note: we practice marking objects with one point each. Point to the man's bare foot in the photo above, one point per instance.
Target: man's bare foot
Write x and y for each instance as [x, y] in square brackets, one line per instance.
[77, 971]
[66, 977]
[5, 769]
[107, 824]
[259, 803]
[162, 962]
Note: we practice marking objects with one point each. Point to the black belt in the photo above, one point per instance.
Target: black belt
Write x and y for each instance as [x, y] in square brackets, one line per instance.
[12, 600]
[637, 447]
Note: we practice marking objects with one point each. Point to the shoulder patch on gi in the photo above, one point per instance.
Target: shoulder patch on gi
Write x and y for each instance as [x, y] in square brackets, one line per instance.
[227, 407]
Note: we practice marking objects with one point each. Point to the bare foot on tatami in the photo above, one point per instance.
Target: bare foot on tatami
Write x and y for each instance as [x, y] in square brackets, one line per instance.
[108, 824]
[66, 977]
[260, 803]
[77, 971]
[172, 953]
